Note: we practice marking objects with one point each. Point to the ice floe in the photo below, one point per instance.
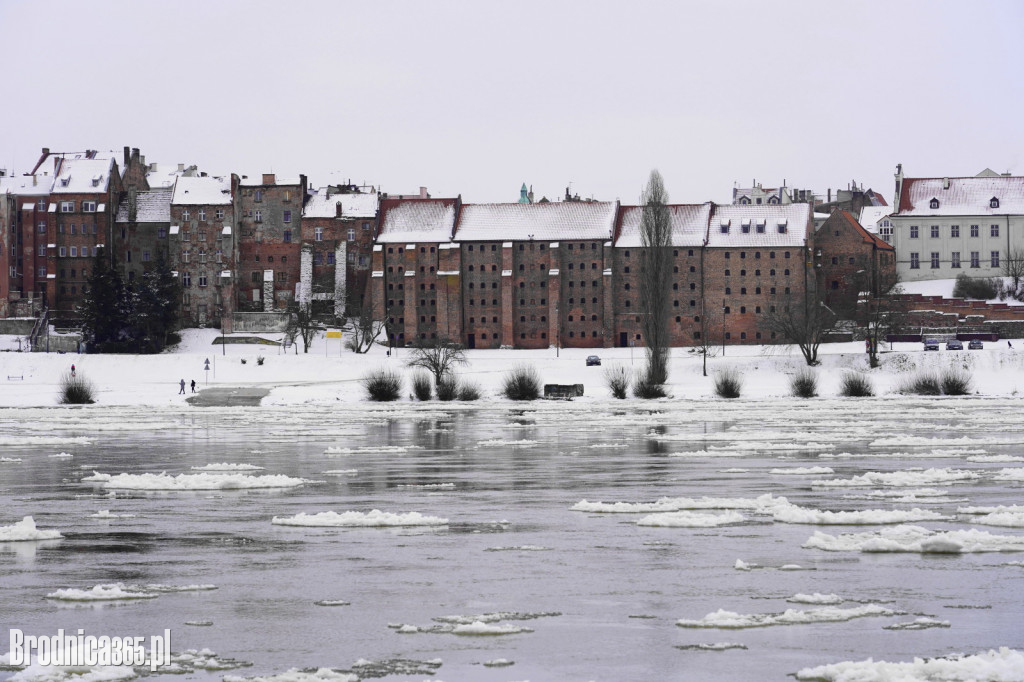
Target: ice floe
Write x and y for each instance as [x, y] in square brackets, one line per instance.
[916, 539]
[332, 602]
[297, 675]
[795, 514]
[763, 504]
[923, 623]
[829, 614]
[108, 592]
[816, 598]
[519, 548]
[688, 519]
[10, 460]
[478, 628]
[107, 514]
[994, 458]
[1013, 474]
[372, 450]
[204, 481]
[804, 471]
[1003, 665]
[356, 519]
[227, 466]
[26, 531]
[901, 478]
[498, 442]
[716, 646]
[61, 455]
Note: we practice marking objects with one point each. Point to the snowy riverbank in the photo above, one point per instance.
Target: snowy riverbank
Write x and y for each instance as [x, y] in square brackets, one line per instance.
[329, 374]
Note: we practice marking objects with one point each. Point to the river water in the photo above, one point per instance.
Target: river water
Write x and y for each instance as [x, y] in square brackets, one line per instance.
[508, 574]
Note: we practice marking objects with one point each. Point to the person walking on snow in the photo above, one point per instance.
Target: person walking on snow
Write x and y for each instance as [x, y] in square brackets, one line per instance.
[182, 391]
[193, 385]
[72, 370]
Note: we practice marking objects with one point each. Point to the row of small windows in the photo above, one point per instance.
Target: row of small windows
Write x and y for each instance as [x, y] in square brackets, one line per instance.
[954, 260]
[992, 203]
[759, 227]
[73, 251]
[219, 213]
[73, 228]
[954, 231]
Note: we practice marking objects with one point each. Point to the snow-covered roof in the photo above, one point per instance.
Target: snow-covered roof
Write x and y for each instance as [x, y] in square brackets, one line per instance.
[964, 196]
[794, 218]
[256, 180]
[164, 174]
[689, 224]
[152, 206]
[201, 191]
[322, 205]
[870, 215]
[83, 176]
[416, 220]
[23, 185]
[559, 220]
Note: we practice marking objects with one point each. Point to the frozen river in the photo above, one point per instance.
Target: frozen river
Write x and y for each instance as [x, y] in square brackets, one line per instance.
[557, 541]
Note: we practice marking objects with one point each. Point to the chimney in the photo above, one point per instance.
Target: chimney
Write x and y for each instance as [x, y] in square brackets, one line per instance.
[127, 156]
[423, 193]
[268, 178]
[142, 160]
[945, 183]
[181, 168]
[337, 209]
[152, 167]
[46, 151]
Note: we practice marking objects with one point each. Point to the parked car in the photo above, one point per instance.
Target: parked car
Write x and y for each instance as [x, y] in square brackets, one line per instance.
[931, 344]
[593, 360]
[975, 344]
[954, 344]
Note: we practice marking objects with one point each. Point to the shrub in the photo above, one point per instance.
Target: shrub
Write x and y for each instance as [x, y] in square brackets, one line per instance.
[804, 384]
[421, 387]
[469, 391]
[855, 385]
[921, 384]
[521, 383]
[617, 378]
[173, 339]
[260, 359]
[728, 383]
[243, 361]
[646, 389]
[76, 390]
[956, 382]
[974, 287]
[383, 384]
[447, 388]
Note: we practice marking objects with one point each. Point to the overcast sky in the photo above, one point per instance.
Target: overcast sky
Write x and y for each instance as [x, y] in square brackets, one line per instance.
[475, 98]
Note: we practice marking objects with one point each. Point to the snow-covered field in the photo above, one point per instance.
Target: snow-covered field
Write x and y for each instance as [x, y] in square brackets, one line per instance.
[328, 373]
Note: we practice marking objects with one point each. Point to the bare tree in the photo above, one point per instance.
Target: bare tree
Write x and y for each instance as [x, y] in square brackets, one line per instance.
[364, 330]
[706, 347]
[1013, 267]
[882, 314]
[805, 323]
[305, 324]
[656, 277]
[438, 356]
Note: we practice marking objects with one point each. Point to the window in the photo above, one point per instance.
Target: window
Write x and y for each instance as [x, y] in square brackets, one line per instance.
[954, 230]
[202, 279]
[184, 214]
[913, 231]
[62, 252]
[330, 257]
[935, 260]
[994, 229]
[202, 214]
[41, 272]
[202, 255]
[42, 228]
[287, 236]
[186, 236]
[934, 203]
[259, 195]
[974, 230]
[282, 277]
[74, 252]
[975, 259]
[161, 232]
[915, 261]
[993, 203]
[954, 259]
[258, 217]
[186, 279]
[256, 277]
[995, 259]
[41, 251]
[88, 206]
[935, 231]
[287, 217]
[67, 206]
[202, 235]
[185, 255]
[220, 214]
[366, 226]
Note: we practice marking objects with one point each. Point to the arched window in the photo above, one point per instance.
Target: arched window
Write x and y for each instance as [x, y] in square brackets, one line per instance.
[993, 202]
[934, 203]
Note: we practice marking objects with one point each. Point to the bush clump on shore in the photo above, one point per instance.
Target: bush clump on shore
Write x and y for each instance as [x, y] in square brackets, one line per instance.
[522, 382]
[383, 384]
[76, 390]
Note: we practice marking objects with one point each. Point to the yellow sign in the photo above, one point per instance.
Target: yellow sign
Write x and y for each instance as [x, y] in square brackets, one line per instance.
[333, 335]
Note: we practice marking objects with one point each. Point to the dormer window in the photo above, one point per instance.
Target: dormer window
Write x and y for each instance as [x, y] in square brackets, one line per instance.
[782, 226]
[760, 226]
[773, 200]
[745, 225]
[993, 202]
[725, 227]
[934, 203]
[744, 200]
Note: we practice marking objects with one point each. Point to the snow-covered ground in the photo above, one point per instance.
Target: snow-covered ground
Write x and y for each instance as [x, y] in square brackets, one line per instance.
[944, 287]
[329, 374]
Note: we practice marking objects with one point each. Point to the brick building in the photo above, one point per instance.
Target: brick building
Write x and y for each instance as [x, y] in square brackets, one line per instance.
[204, 247]
[535, 275]
[269, 221]
[851, 260]
[338, 227]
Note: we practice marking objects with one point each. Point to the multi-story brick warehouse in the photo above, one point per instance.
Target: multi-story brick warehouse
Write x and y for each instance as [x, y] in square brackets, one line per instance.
[535, 275]
[850, 260]
[270, 226]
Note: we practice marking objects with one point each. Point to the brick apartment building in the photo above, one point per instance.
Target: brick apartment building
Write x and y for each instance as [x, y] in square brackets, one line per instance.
[535, 275]
[850, 260]
[270, 226]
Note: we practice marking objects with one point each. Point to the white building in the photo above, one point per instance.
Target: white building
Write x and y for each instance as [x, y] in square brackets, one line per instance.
[945, 226]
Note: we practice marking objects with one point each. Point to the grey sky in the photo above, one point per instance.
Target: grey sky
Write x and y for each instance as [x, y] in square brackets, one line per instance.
[479, 97]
